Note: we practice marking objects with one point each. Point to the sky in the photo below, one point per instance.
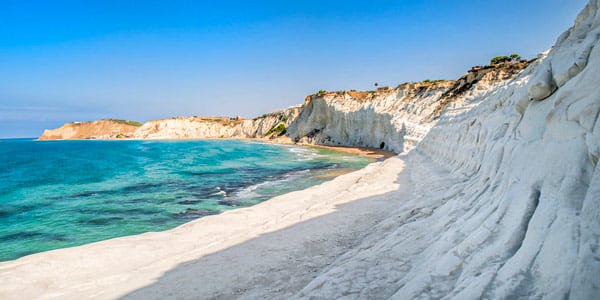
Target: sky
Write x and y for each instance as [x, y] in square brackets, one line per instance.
[63, 61]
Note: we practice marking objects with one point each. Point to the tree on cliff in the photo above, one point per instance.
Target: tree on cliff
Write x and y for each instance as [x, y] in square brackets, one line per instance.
[503, 58]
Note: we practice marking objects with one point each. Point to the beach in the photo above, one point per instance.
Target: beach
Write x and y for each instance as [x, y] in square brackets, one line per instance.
[268, 250]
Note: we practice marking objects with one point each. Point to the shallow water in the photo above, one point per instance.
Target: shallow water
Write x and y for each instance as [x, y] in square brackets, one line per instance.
[57, 194]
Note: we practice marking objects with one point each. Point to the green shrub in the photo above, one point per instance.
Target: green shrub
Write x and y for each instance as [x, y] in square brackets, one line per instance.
[499, 59]
[277, 130]
[261, 117]
[322, 92]
[433, 81]
[515, 56]
[127, 122]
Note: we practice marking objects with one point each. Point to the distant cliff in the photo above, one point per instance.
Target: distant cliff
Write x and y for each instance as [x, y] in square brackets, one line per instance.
[103, 129]
[217, 127]
[394, 119]
[268, 125]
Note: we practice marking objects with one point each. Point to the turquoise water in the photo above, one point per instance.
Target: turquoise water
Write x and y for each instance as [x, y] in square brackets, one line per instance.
[57, 194]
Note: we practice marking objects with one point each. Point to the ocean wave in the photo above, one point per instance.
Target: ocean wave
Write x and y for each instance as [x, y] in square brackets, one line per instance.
[219, 192]
[304, 154]
[249, 192]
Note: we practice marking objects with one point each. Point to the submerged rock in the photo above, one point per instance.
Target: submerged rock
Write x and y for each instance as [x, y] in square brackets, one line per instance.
[192, 213]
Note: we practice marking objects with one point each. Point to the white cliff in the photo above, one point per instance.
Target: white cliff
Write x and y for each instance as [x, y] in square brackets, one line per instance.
[392, 119]
[516, 214]
[101, 129]
[179, 128]
[206, 127]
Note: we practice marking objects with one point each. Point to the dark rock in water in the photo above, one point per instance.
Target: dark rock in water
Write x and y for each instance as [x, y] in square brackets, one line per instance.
[208, 173]
[127, 211]
[192, 213]
[189, 202]
[21, 236]
[159, 221]
[85, 194]
[101, 221]
[134, 200]
[34, 235]
[230, 202]
[143, 187]
[5, 213]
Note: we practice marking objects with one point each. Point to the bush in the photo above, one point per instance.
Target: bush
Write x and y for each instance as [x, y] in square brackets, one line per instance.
[261, 117]
[433, 81]
[322, 92]
[277, 130]
[127, 122]
[515, 56]
[499, 59]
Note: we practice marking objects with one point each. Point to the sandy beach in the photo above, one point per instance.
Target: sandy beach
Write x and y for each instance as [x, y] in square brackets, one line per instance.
[269, 250]
[363, 151]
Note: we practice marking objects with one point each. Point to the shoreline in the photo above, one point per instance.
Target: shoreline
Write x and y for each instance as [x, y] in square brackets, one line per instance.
[363, 151]
[377, 154]
[66, 273]
[374, 155]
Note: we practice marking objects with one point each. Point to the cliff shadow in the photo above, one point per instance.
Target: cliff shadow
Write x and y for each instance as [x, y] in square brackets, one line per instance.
[279, 263]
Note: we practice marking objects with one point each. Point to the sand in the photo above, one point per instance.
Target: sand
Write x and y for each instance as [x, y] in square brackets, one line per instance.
[270, 250]
[363, 151]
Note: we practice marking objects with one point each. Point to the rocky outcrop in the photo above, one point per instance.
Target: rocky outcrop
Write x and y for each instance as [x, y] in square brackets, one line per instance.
[206, 127]
[102, 129]
[268, 125]
[530, 149]
[392, 119]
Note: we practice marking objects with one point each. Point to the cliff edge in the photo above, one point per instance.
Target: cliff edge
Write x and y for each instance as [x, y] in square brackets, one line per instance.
[102, 129]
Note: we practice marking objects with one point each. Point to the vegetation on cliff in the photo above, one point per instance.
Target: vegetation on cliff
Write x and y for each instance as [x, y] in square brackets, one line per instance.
[277, 130]
[126, 122]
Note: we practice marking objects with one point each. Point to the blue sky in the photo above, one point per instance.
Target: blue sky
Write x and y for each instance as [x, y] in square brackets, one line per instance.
[64, 61]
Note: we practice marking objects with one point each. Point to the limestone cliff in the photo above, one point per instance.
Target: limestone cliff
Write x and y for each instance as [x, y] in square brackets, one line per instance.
[268, 125]
[102, 129]
[515, 213]
[215, 127]
[392, 119]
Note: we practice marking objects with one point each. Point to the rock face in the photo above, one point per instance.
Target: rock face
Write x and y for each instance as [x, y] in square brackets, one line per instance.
[517, 213]
[178, 128]
[392, 119]
[102, 129]
[202, 127]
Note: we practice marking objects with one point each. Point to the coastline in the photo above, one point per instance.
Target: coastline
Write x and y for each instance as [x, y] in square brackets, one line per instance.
[374, 153]
[306, 166]
[97, 269]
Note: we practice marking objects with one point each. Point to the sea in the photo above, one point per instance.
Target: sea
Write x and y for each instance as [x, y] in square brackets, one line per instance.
[57, 194]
